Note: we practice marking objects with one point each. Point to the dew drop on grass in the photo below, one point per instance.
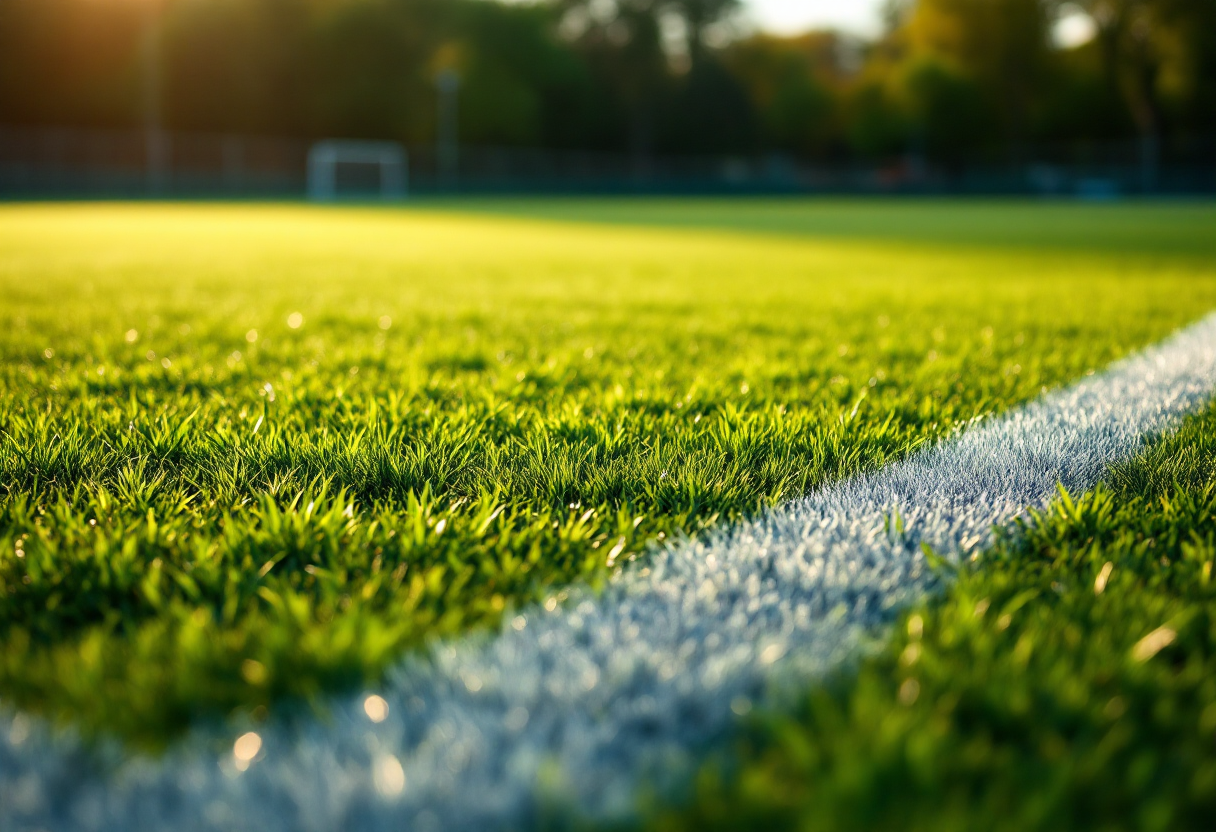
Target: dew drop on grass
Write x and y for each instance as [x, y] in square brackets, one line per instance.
[388, 775]
[1103, 577]
[376, 708]
[1153, 643]
[772, 653]
[245, 749]
[295, 320]
[616, 551]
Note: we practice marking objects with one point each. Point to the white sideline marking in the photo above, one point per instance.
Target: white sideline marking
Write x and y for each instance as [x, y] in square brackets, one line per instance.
[579, 708]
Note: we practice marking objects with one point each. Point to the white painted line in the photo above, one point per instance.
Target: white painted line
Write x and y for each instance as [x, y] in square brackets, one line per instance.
[581, 707]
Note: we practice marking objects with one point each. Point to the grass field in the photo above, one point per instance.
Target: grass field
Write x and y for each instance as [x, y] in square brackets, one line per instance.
[1167, 230]
[1068, 681]
[251, 454]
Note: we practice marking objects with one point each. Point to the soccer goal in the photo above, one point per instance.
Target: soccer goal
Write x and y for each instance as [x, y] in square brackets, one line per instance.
[357, 169]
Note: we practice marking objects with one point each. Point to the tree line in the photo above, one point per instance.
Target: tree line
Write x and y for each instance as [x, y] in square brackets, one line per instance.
[947, 79]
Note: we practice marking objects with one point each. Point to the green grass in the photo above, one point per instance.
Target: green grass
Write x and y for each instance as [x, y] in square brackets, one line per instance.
[1067, 681]
[1166, 229]
[205, 508]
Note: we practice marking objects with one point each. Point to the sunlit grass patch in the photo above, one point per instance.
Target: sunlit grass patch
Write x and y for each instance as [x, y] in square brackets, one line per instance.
[1167, 229]
[249, 453]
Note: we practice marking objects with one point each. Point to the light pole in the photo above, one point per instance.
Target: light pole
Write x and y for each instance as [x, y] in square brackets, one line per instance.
[447, 148]
[156, 143]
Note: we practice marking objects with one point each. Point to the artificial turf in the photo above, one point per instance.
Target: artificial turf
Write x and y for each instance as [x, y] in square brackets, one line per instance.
[1066, 681]
[250, 453]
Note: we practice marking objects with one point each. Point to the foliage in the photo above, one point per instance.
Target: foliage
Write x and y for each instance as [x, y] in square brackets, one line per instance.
[1153, 52]
[950, 80]
[783, 76]
[249, 453]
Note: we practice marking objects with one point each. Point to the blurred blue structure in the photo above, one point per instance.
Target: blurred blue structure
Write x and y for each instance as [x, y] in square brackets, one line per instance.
[387, 162]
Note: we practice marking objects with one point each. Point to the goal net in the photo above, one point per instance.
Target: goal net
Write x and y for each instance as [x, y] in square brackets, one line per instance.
[357, 169]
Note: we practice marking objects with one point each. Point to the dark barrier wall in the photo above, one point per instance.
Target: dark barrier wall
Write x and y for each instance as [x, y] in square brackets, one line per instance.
[50, 163]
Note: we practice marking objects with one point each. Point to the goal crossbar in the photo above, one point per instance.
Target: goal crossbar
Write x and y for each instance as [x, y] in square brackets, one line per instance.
[325, 156]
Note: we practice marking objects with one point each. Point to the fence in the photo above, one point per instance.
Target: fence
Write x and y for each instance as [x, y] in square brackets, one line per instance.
[70, 163]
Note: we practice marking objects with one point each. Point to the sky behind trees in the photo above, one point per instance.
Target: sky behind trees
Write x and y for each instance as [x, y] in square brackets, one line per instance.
[789, 17]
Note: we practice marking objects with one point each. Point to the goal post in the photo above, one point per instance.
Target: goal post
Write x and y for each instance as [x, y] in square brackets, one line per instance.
[389, 159]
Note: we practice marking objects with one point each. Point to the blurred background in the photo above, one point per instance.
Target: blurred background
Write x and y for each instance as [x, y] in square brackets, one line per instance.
[380, 98]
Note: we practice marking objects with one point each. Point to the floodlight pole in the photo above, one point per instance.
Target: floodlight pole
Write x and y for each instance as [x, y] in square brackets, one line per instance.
[447, 148]
[156, 144]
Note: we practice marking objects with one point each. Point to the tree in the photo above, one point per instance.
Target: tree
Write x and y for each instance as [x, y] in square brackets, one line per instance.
[1129, 35]
[699, 16]
[947, 111]
[1002, 44]
[73, 61]
[793, 85]
[622, 47]
[1149, 46]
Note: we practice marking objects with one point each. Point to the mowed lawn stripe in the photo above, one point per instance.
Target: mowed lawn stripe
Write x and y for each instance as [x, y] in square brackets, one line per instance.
[573, 710]
[251, 454]
[1169, 229]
